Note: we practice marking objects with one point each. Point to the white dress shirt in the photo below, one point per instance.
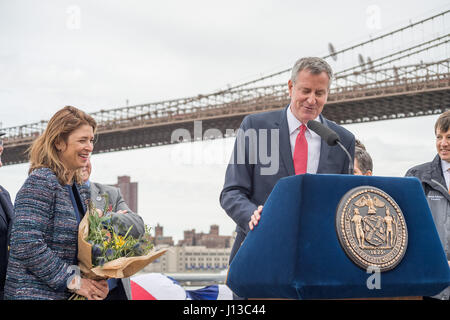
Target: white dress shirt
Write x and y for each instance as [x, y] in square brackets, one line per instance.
[445, 170]
[312, 138]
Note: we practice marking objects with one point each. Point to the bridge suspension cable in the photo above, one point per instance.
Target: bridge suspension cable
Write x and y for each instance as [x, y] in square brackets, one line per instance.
[351, 82]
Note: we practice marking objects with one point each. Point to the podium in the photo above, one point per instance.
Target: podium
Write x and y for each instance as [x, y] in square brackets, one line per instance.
[295, 251]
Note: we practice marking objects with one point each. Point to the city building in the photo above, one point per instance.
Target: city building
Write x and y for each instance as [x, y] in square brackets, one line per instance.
[196, 253]
[160, 239]
[209, 240]
[129, 191]
[190, 259]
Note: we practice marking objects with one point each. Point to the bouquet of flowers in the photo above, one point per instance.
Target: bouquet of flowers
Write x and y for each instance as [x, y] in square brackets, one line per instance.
[106, 250]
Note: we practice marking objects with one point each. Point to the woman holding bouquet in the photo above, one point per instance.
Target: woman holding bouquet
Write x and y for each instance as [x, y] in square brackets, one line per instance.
[48, 208]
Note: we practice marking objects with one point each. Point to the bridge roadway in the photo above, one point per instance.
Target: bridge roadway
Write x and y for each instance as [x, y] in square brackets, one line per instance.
[345, 106]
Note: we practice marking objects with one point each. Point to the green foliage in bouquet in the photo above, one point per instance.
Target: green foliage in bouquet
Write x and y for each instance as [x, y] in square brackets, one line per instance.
[111, 241]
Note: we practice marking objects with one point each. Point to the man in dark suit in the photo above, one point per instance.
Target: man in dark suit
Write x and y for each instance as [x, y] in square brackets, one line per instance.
[6, 218]
[276, 144]
[120, 289]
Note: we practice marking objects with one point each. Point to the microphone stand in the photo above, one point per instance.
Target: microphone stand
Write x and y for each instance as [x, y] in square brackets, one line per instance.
[350, 162]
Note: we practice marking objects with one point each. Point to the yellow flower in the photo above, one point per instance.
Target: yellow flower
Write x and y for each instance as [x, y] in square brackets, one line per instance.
[105, 244]
[119, 242]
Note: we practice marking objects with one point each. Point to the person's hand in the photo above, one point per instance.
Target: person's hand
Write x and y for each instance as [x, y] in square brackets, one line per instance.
[93, 290]
[100, 213]
[255, 217]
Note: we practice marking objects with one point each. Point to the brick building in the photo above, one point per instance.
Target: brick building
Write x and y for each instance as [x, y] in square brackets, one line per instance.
[129, 191]
[209, 240]
[160, 239]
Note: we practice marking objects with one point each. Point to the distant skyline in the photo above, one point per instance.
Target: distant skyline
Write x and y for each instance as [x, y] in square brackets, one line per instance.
[100, 54]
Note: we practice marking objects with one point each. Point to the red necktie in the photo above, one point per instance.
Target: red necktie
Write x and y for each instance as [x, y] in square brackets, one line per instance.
[301, 152]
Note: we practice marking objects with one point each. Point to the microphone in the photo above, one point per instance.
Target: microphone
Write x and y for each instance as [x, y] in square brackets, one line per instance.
[331, 137]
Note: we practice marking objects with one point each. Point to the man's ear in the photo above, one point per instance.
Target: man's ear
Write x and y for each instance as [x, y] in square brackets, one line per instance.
[290, 85]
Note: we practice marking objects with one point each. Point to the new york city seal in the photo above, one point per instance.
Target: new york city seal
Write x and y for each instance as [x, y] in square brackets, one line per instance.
[371, 228]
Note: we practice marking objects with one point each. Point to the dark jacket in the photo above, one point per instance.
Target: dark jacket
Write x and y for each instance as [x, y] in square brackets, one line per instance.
[250, 177]
[438, 197]
[6, 219]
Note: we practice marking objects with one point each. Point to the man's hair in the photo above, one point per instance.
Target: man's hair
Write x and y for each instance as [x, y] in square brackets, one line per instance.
[359, 144]
[443, 122]
[364, 160]
[314, 65]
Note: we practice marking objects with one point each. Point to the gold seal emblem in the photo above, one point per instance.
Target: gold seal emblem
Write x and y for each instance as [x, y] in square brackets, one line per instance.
[371, 228]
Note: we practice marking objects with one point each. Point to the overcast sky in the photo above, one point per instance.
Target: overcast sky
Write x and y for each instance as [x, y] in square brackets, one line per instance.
[99, 54]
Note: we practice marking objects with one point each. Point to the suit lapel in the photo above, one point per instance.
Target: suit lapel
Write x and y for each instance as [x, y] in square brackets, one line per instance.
[285, 143]
[3, 215]
[96, 197]
[7, 208]
[324, 149]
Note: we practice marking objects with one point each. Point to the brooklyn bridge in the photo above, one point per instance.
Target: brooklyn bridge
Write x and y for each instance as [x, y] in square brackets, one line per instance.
[398, 74]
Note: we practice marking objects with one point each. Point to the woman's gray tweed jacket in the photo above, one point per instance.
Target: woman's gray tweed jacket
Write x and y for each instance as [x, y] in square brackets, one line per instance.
[44, 238]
